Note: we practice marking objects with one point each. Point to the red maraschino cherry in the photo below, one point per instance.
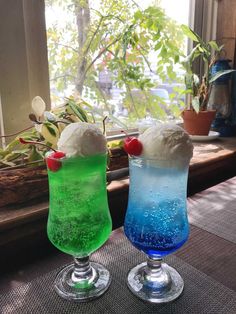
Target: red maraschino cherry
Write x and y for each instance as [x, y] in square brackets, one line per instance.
[132, 145]
[52, 160]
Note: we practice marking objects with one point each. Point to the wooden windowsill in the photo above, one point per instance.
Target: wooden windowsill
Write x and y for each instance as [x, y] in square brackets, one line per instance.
[209, 152]
[207, 156]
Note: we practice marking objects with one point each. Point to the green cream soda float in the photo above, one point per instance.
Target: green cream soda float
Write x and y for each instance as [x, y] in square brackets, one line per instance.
[79, 221]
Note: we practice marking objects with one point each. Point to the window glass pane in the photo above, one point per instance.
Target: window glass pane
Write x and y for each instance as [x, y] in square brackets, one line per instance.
[122, 57]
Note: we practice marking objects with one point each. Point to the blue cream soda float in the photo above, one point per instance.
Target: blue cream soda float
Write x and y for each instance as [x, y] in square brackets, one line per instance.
[156, 220]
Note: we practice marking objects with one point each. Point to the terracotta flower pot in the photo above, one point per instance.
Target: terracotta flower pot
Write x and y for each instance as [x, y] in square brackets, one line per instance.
[198, 123]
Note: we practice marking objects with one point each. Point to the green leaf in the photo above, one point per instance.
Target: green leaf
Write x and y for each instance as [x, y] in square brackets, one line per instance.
[3, 153]
[219, 74]
[213, 45]
[77, 111]
[190, 33]
[188, 80]
[116, 143]
[83, 114]
[192, 56]
[11, 156]
[138, 15]
[35, 155]
[21, 151]
[163, 52]
[12, 144]
[221, 47]
[201, 49]
[182, 103]
[50, 129]
[149, 23]
[158, 45]
[176, 58]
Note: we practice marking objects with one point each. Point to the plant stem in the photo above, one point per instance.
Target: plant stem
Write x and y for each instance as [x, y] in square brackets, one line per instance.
[14, 134]
[22, 141]
[104, 125]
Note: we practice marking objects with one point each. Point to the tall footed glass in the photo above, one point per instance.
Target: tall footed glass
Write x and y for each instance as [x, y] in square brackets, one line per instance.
[79, 223]
[156, 223]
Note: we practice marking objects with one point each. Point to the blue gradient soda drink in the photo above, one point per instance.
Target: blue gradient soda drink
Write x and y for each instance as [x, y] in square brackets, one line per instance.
[156, 219]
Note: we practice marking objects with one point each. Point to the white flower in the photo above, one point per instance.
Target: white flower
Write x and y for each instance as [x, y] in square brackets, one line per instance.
[38, 105]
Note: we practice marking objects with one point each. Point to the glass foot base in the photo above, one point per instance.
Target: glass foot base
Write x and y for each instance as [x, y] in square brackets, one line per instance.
[82, 292]
[155, 291]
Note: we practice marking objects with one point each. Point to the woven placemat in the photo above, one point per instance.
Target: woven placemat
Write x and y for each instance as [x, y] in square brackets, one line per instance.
[214, 210]
[201, 294]
[211, 254]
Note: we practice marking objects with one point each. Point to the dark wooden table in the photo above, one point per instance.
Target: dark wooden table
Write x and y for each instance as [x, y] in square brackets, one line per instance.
[207, 263]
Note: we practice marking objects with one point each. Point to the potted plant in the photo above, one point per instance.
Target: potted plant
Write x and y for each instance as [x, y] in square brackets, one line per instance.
[197, 116]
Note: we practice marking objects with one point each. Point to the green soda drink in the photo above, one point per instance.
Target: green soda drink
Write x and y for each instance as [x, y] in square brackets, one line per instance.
[79, 221]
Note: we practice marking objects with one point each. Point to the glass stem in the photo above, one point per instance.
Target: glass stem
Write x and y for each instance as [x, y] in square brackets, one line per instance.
[83, 273]
[154, 264]
[155, 277]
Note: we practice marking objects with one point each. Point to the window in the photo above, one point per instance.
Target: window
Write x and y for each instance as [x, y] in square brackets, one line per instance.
[102, 68]
[24, 65]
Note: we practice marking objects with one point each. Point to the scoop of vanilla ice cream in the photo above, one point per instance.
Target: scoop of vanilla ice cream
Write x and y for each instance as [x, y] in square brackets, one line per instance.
[82, 139]
[167, 142]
